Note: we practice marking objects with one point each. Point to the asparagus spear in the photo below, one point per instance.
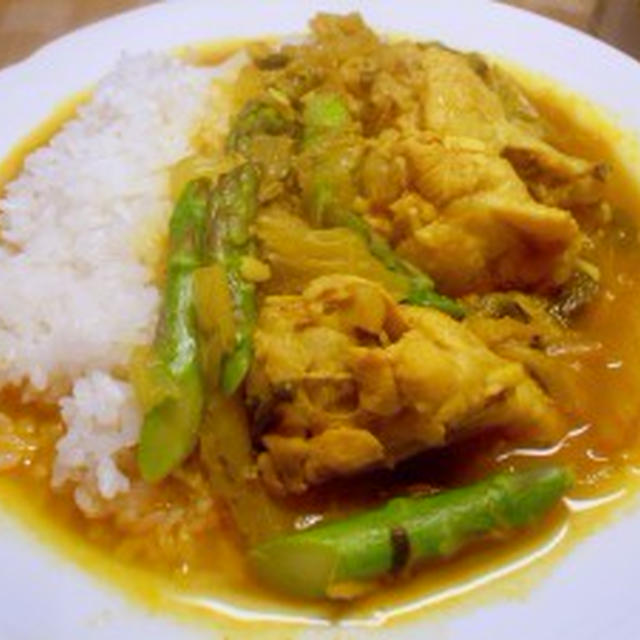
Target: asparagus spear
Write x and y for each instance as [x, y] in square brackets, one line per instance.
[256, 117]
[234, 204]
[326, 115]
[169, 429]
[394, 537]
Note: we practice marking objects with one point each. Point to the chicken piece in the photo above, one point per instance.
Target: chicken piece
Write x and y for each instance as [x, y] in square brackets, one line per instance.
[557, 179]
[377, 389]
[517, 106]
[410, 213]
[450, 169]
[456, 101]
[371, 382]
[452, 256]
[446, 371]
[490, 232]
[383, 174]
[446, 169]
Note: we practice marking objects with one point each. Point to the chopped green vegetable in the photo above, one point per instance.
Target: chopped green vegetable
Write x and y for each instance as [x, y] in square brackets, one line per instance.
[317, 562]
[233, 208]
[256, 117]
[170, 427]
[325, 113]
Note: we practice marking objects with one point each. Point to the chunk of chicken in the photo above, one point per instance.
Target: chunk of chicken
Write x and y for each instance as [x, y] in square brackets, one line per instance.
[518, 107]
[370, 382]
[490, 232]
[457, 102]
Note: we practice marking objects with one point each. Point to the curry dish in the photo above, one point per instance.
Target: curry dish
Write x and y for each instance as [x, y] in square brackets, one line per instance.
[397, 318]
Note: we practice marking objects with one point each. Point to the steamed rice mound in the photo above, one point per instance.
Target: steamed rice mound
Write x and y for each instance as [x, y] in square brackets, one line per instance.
[77, 293]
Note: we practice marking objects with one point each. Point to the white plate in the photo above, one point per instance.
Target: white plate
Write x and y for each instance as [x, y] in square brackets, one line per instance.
[592, 592]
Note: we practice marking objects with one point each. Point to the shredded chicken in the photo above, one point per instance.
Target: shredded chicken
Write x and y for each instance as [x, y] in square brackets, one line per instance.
[457, 102]
[371, 382]
[490, 234]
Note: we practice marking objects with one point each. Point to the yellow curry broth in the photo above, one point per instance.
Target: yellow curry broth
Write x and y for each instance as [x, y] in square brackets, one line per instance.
[610, 373]
[206, 558]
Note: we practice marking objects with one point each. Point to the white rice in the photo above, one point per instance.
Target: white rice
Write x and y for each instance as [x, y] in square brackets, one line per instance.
[102, 418]
[74, 295]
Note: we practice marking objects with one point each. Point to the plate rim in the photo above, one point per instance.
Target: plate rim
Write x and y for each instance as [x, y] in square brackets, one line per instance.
[44, 57]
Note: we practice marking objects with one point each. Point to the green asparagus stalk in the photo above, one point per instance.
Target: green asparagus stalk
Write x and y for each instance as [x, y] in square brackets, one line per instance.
[317, 562]
[326, 115]
[169, 428]
[234, 204]
[256, 117]
[422, 295]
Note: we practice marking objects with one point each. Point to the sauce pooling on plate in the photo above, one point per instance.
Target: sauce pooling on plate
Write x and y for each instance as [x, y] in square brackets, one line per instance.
[385, 297]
